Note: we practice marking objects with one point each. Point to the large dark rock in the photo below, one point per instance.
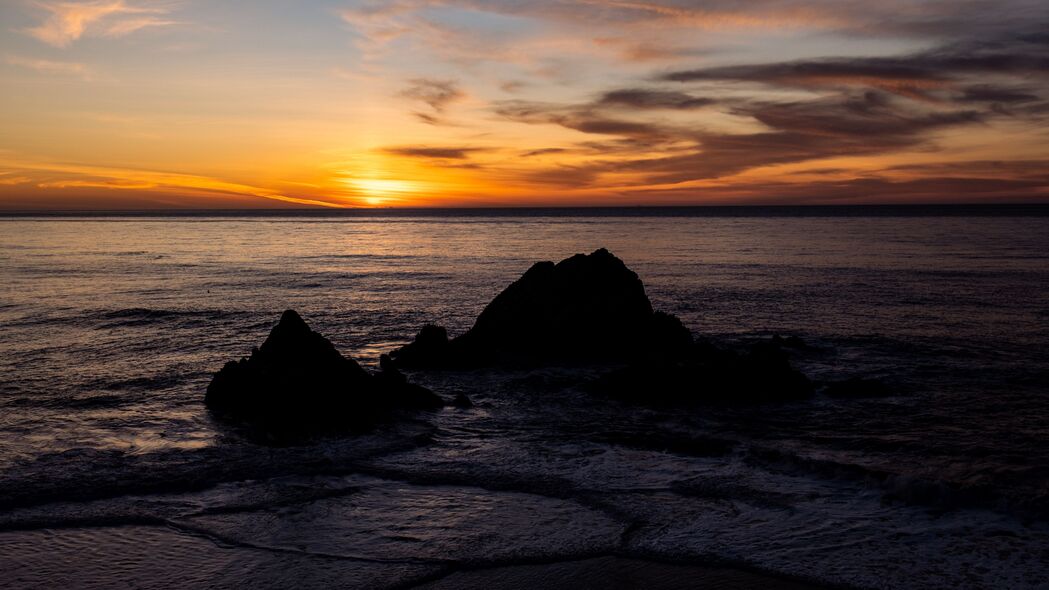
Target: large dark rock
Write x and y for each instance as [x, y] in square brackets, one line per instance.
[708, 374]
[298, 381]
[587, 307]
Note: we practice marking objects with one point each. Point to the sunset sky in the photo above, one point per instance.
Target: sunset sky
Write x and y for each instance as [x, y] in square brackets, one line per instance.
[135, 104]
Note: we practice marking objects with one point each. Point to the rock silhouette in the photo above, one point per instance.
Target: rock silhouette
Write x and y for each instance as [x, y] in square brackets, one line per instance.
[298, 381]
[586, 307]
[708, 374]
[430, 349]
[396, 388]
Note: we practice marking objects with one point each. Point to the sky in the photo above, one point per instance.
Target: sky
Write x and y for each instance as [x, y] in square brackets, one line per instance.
[147, 104]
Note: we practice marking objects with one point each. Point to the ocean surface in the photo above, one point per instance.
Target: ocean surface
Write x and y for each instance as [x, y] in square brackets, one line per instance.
[111, 469]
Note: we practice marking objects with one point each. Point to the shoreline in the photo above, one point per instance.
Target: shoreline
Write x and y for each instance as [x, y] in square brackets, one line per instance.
[611, 572]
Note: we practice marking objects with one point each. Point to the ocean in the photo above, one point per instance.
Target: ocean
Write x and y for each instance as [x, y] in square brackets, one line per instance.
[111, 469]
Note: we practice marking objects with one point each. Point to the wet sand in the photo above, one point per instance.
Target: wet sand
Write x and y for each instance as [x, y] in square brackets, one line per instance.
[611, 573]
[161, 557]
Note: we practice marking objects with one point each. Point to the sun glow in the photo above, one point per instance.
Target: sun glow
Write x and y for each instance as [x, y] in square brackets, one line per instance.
[382, 191]
[383, 186]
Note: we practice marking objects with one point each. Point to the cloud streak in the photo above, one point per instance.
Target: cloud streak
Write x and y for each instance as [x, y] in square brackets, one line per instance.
[54, 175]
[640, 98]
[48, 66]
[434, 153]
[68, 21]
[917, 75]
[435, 94]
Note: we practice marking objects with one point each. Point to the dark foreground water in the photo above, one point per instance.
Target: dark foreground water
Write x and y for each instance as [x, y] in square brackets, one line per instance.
[112, 471]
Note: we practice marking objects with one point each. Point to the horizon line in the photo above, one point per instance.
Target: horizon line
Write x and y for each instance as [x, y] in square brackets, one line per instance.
[911, 209]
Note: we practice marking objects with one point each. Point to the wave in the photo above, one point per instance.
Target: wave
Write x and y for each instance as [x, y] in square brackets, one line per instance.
[1028, 499]
[84, 474]
[690, 445]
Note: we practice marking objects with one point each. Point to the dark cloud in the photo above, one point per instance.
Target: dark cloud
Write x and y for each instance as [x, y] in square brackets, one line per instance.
[864, 189]
[867, 123]
[807, 130]
[640, 98]
[989, 93]
[435, 153]
[543, 152]
[584, 118]
[917, 75]
[564, 176]
[828, 70]
[627, 145]
[1037, 170]
[437, 94]
[872, 116]
[428, 118]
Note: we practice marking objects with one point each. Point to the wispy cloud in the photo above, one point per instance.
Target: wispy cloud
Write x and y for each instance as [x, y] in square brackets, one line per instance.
[127, 26]
[57, 175]
[881, 188]
[67, 68]
[916, 75]
[581, 118]
[7, 179]
[436, 94]
[632, 50]
[68, 21]
[642, 98]
[434, 153]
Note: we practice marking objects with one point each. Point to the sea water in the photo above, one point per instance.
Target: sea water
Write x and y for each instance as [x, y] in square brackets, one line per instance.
[111, 469]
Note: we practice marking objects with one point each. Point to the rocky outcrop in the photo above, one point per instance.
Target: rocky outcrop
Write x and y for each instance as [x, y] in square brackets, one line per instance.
[708, 374]
[298, 381]
[584, 308]
[430, 349]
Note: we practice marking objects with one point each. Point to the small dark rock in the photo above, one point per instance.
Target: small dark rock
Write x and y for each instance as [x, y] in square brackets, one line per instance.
[298, 381]
[431, 348]
[398, 392]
